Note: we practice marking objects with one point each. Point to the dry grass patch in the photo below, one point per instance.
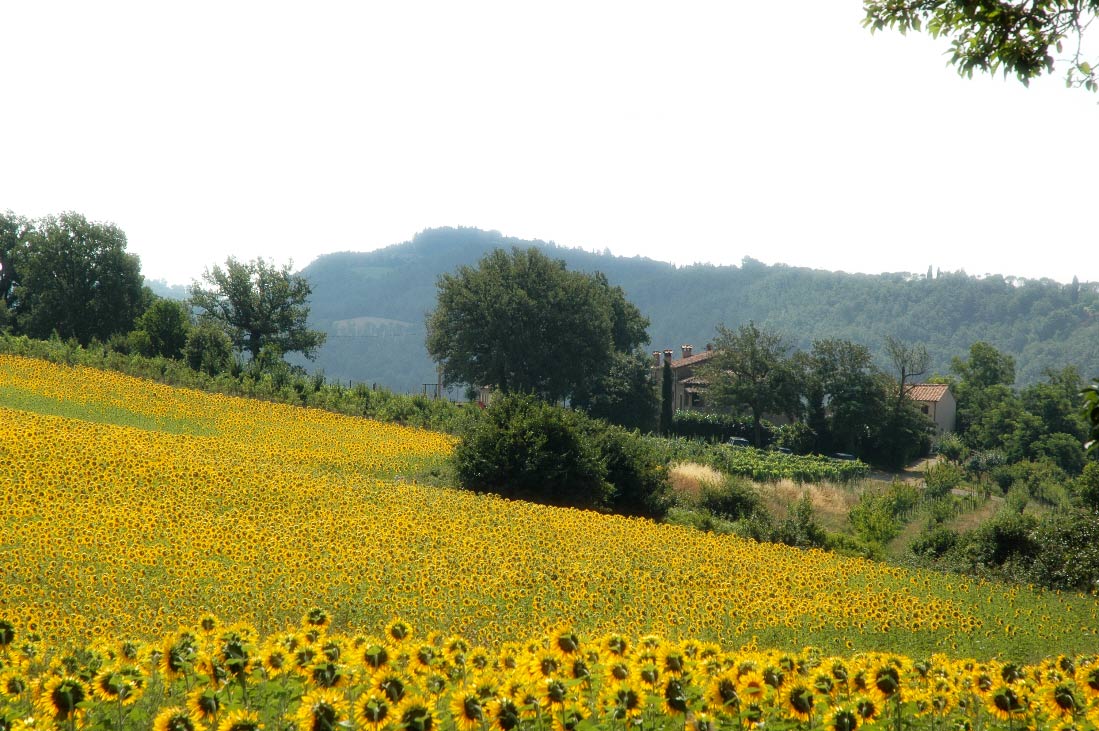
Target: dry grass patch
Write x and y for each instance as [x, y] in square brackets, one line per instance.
[689, 478]
[831, 503]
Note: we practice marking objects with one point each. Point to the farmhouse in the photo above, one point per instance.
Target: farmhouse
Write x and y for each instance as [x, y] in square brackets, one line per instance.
[937, 402]
[688, 388]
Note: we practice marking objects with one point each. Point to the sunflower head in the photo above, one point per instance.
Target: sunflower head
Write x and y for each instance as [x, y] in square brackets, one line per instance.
[174, 719]
[320, 710]
[416, 714]
[62, 696]
[841, 718]
[241, 720]
[373, 710]
[398, 631]
[316, 618]
[466, 710]
[204, 704]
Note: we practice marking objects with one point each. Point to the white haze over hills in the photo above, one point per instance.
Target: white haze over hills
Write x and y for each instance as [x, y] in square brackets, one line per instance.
[705, 132]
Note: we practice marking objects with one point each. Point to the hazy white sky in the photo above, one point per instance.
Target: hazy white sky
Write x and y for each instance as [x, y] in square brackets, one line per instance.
[687, 132]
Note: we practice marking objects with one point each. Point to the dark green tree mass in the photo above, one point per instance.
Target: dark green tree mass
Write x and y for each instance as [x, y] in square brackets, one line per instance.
[1020, 38]
[73, 277]
[752, 371]
[258, 304]
[521, 322]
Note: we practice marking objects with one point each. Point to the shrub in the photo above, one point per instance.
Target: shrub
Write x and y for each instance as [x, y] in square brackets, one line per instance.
[734, 499]
[934, 542]
[633, 468]
[941, 478]
[523, 448]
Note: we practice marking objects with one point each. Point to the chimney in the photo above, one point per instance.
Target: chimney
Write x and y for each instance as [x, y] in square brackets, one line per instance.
[656, 359]
[687, 349]
[709, 347]
[668, 355]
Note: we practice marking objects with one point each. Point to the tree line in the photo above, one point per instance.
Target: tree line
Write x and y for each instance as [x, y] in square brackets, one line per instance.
[67, 277]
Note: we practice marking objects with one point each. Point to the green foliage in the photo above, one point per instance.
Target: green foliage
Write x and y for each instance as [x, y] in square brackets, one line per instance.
[952, 448]
[633, 468]
[712, 426]
[1019, 38]
[74, 278]
[733, 499]
[942, 477]
[1087, 486]
[162, 329]
[1064, 450]
[208, 349]
[523, 448]
[258, 304]
[801, 529]
[934, 542]
[751, 372]
[879, 515]
[624, 395]
[667, 397]
[521, 322]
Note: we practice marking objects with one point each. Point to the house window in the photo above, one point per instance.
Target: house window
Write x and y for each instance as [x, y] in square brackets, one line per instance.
[924, 408]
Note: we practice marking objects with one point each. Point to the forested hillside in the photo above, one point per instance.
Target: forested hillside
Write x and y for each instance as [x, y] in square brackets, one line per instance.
[373, 307]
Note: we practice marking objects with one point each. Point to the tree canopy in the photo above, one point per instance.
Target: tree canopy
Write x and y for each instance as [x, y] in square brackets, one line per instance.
[522, 322]
[1018, 37]
[69, 275]
[258, 304]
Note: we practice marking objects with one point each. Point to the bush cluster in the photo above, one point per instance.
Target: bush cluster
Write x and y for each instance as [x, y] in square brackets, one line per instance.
[520, 447]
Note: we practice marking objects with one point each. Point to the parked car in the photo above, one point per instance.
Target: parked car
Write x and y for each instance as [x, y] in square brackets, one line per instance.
[738, 442]
[844, 456]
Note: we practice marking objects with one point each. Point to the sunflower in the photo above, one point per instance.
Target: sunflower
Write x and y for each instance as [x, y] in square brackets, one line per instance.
[752, 686]
[478, 660]
[320, 710]
[673, 661]
[466, 709]
[721, 693]
[615, 645]
[7, 633]
[623, 702]
[565, 641]
[423, 659]
[316, 619]
[1062, 701]
[328, 674]
[885, 682]
[503, 714]
[416, 714]
[1004, 702]
[797, 701]
[61, 698]
[178, 654]
[867, 708]
[274, 659]
[569, 717]
[391, 683]
[12, 685]
[508, 657]
[702, 721]
[398, 632]
[208, 625]
[113, 685]
[618, 670]
[544, 663]
[204, 704]
[674, 695]
[240, 720]
[648, 674]
[1088, 678]
[174, 718]
[842, 718]
[372, 710]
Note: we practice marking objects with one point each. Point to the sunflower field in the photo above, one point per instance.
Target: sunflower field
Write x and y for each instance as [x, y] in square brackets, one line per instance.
[132, 515]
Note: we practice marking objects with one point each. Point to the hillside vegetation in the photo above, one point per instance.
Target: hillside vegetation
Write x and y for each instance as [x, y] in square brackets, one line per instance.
[373, 306]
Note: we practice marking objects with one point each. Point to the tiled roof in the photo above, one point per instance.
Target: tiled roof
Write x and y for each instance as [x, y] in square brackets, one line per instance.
[927, 391]
[695, 381]
[696, 358]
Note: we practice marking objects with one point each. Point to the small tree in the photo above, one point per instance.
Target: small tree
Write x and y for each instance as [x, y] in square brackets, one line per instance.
[208, 349]
[667, 407]
[257, 304]
[163, 328]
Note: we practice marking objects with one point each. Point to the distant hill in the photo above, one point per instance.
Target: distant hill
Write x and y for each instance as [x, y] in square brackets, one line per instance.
[373, 306]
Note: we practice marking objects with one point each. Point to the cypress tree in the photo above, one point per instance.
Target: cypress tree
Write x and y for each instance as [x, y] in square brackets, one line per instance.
[666, 399]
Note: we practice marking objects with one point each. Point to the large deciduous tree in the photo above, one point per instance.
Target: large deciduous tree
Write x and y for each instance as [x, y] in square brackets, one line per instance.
[521, 322]
[752, 371]
[1019, 37]
[74, 278]
[258, 304]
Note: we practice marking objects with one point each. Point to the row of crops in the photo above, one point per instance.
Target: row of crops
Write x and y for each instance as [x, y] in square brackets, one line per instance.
[763, 465]
[307, 678]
